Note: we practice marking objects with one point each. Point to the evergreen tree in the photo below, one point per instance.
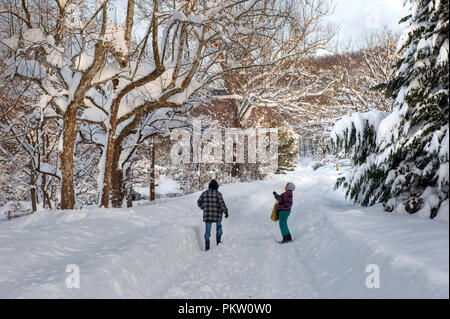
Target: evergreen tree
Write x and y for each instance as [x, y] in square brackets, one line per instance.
[409, 168]
[358, 133]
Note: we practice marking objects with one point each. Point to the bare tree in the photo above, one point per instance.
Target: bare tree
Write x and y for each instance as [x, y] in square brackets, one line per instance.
[59, 46]
[28, 144]
[84, 65]
[184, 44]
[363, 70]
[298, 33]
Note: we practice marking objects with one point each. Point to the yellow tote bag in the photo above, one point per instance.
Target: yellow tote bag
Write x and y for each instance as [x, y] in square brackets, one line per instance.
[274, 215]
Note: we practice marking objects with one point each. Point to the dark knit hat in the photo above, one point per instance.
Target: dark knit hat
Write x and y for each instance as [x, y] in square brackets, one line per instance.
[213, 185]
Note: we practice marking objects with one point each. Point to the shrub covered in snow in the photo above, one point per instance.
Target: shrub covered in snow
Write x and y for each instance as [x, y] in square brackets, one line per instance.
[15, 209]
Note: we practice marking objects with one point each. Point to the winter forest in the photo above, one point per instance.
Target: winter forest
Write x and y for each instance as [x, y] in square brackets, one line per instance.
[95, 97]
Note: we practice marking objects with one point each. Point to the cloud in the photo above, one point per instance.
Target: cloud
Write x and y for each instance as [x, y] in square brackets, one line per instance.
[359, 17]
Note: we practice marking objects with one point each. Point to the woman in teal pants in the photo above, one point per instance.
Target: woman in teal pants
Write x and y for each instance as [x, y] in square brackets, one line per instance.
[284, 210]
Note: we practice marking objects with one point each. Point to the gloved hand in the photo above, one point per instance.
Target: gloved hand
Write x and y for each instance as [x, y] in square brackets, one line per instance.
[226, 215]
[274, 193]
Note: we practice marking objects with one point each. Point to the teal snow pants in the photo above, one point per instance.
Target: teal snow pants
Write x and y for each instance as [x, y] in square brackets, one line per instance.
[283, 217]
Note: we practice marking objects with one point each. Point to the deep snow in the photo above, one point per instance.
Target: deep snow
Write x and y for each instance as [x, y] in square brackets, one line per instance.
[156, 251]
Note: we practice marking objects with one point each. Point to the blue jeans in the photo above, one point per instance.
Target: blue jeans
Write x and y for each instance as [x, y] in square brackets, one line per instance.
[208, 230]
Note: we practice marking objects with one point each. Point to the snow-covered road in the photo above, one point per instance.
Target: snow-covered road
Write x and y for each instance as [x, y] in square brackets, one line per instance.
[156, 251]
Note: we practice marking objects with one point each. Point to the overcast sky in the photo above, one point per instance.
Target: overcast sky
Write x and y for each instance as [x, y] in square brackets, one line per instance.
[358, 17]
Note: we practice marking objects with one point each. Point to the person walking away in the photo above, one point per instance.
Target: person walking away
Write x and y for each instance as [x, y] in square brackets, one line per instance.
[213, 206]
[284, 210]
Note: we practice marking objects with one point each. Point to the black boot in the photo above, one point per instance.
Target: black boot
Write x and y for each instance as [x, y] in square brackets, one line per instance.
[218, 240]
[206, 245]
[285, 239]
[288, 237]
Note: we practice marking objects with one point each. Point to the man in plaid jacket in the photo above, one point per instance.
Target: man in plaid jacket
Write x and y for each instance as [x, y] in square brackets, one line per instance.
[213, 206]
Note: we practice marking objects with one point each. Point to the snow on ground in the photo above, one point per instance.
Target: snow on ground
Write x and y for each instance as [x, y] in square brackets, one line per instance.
[167, 186]
[156, 251]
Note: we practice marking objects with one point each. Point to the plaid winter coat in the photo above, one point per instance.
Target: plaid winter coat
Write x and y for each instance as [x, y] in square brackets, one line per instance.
[284, 201]
[212, 204]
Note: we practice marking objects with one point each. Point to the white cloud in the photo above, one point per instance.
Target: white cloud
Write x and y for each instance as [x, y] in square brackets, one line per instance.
[359, 17]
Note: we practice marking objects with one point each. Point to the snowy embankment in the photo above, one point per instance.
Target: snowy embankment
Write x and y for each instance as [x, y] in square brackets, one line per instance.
[156, 251]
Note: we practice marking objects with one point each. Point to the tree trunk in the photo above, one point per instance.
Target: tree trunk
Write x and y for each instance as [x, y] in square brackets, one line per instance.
[112, 160]
[44, 139]
[118, 193]
[117, 187]
[152, 170]
[66, 157]
[236, 167]
[33, 191]
[130, 199]
[199, 175]
[112, 154]
[108, 172]
[44, 191]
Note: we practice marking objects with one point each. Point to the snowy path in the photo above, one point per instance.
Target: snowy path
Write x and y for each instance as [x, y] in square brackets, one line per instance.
[156, 251]
[250, 263]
